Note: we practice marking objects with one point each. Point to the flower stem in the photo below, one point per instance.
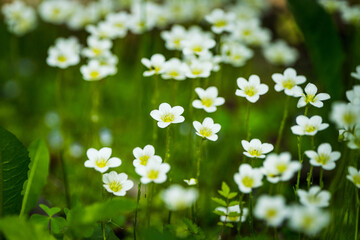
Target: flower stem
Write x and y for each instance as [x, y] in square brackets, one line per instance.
[247, 128]
[65, 179]
[308, 179]
[169, 217]
[241, 196]
[137, 208]
[357, 214]
[149, 202]
[168, 140]
[321, 182]
[300, 160]
[199, 155]
[251, 213]
[282, 125]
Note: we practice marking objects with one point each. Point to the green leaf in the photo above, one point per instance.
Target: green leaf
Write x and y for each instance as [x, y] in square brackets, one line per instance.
[40, 220]
[225, 188]
[219, 201]
[222, 194]
[50, 211]
[37, 175]
[194, 229]
[230, 225]
[15, 228]
[232, 195]
[323, 43]
[14, 162]
[218, 212]
[58, 224]
[233, 203]
[234, 214]
[100, 211]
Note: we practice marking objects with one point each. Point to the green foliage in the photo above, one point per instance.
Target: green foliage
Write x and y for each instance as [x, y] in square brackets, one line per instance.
[50, 211]
[219, 201]
[194, 229]
[15, 228]
[37, 175]
[322, 42]
[14, 163]
[57, 224]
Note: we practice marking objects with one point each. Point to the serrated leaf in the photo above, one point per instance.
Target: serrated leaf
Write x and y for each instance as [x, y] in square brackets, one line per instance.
[14, 162]
[232, 195]
[219, 201]
[50, 211]
[37, 175]
[222, 193]
[218, 212]
[233, 203]
[225, 188]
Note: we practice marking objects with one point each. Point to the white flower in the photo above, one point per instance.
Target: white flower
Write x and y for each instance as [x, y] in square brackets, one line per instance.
[117, 184]
[357, 73]
[199, 69]
[251, 33]
[100, 160]
[353, 95]
[271, 209]
[207, 129]
[354, 139]
[62, 58]
[351, 14]
[256, 149]
[324, 157]
[103, 30]
[248, 178]
[311, 97]
[119, 23]
[308, 126]
[155, 64]
[279, 167]
[279, 53]
[167, 115]
[191, 181]
[288, 82]
[220, 20]
[198, 44]
[315, 197]
[154, 171]
[142, 156]
[235, 54]
[345, 115]
[175, 69]
[332, 5]
[233, 209]
[94, 71]
[251, 89]
[96, 47]
[178, 198]
[174, 38]
[309, 220]
[55, 12]
[209, 99]
[354, 176]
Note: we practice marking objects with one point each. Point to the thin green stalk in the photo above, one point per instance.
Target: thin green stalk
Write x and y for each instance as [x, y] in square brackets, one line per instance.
[168, 140]
[65, 179]
[308, 179]
[224, 223]
[169, 217]
[241, 196]
[137, 208]
[149, 202]
[357, 214]
[251, 213]
[103, 230]
[300, 160]
[199, 156]
[282, 125]
[247, 128]
[321, 178]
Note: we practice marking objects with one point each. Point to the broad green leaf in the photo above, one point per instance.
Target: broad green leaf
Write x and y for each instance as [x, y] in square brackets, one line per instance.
[323, 43]
[225, 188]
[234, 214]
[219, 201]
[218, 212]
[58, 224]
[40, 220]
[232, 195]
[15, 228]
[37, 175]
[14, 162]
[50, 211]
[233, 203]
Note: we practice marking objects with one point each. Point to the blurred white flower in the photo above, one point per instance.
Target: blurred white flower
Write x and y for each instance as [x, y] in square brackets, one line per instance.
[220, 20]
[198, 44]
[167, 115]
[155, 65]
[354, 139]
[251, 33]
[207, 129]
[332, 5]
[308, 126]
[315, 197]
[288, 82]
[117, 184]
[119, 23]
[178, 198]
[209, 99]
[251, 89]
[233, 209]
[256, 149]
[354, 176]
[310, 97]
[345, 115]
[19, 17]
[353, 95]
[154, 171]
[199, 69]
[174, 69]
[94, 71]
[64, 53]
[174, 38]
[356, 74]
[271, 209]
[248, 178]
[279, 53]
[324, 157]
[235, 54]
[96, 47]
[103, 30]
[351, 14]
[191, 181]
[142, 156]
[100, 159]
[56, 12]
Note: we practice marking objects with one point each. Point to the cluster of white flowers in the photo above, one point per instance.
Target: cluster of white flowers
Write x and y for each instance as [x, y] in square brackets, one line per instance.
[19, 17]
[349, 14]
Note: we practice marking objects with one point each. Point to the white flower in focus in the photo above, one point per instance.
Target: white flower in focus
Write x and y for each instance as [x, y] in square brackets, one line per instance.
[155, 64]
[174, 38]
[154, 171]
[251, 89]
[256, 149]
[117, 184]
[310, 97]
[178, 198]
[96, 47]
[324, 157]
[207, 129]
[272, 209]
[354, 176]
[199, 69]
[248, 178]
[315, 197]
[309, 220]
[220, 20]
[191, 181]
[167, 115]
[209, 99]
[289, 82]
[233, 209]
[94, 71]
[142, 156]
[356, 74]
[353, 95]
[345, 115]
[279, 167]
[279, 53]
[174, 69]
[100, 160]
[308, 126]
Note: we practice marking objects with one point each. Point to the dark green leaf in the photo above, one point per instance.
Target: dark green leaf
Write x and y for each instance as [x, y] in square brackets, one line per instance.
[219, 201]
[50, 211]
[14, 162]
[37, 175]
[234, 214]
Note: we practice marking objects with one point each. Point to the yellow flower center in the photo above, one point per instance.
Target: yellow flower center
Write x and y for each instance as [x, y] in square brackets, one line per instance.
[96, 51]
[281, 167]
[220, 23]
[206, 132]
[144, 159]
[119, 25]
[237, 57]
[254, 152]
[207, 102]
[250, 91]
[271, 213]
[322, 158]
[101, 163]
[153, 174]
[61, 58]
[197, 48]
[289, 83]
[232, 219]
[310, 128]
[176, 42]
[356, 179]
[349, 118]
[309, 98]
[307, 222]
[248, 181]
[196, 71]
[94, 74]
[247, 32]
[173, 73]
[115, 186]
[55, 12]
[168, 117]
